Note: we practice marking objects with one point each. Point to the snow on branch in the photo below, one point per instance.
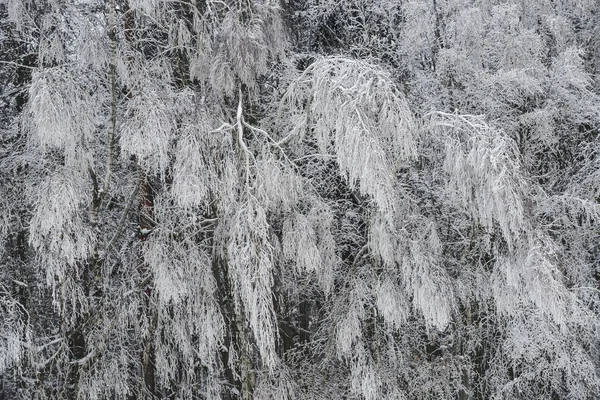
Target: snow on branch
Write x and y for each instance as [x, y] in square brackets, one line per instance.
[308, 242]
[241, 39]
[532, 277]
[251, 263]
[484, 172]
[147, 131]
[63, 113]
[59, 230]
[200, 158]
[358, 114]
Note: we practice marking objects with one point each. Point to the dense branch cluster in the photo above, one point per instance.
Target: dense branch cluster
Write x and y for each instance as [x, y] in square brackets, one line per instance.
[236, 199]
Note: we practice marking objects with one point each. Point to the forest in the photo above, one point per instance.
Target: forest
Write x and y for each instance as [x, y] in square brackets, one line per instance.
[300, 199]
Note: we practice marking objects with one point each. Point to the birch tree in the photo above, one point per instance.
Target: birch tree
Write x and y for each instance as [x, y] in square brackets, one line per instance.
[280, 200]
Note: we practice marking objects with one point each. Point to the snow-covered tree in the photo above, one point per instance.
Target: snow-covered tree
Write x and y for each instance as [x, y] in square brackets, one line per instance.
[299, 199]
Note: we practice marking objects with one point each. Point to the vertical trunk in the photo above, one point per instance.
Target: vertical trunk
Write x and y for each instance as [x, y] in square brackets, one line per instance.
[148, 362]
[465, 392]
[305, 309]
[146, 223]
[148, 353]
[22, 292]
[226, 306]
[246, 368]
[238, 374]
[77, 349]
[92, 277]
[112, 76]
[286, 320]
[241, 376]
[437, 35]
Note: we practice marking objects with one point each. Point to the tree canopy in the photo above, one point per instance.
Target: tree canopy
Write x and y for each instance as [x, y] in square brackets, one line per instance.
[299, 199]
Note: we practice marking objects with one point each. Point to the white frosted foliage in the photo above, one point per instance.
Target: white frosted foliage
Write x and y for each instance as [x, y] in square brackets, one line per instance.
[197, 167]
[357, 107]
[251, 273]
[63, 113]
[59, 228]
[484, 173]
[148, 130]
[348, 329]
[11, 344]
[309, 244]
[278, 185]
[533, 276]
[300, 244]
[320, 199]
[391, 303]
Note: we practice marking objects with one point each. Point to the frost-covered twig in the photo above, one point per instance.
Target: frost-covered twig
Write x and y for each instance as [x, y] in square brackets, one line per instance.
[241, 142]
